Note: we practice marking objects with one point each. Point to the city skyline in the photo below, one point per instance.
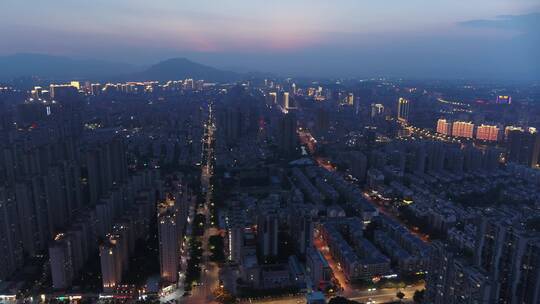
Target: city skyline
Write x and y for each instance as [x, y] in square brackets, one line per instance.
[284, 152]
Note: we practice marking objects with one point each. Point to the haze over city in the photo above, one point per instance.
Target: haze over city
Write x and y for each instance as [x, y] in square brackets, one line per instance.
[270, 152]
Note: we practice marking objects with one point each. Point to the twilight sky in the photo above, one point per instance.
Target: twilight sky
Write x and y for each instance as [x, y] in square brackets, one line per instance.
[413, 38]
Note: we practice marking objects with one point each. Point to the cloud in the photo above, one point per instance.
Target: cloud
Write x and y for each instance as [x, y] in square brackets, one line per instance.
[523, 23]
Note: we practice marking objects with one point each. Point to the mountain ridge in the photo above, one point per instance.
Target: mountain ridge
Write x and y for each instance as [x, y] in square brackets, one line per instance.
[181, 68]
[62, 68]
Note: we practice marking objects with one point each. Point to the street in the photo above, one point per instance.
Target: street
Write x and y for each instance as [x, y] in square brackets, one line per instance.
[209, 270]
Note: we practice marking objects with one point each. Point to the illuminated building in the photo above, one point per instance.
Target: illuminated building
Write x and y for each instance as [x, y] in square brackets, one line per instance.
[111, 258]
[96, 89]
[504, 99]
[169, 239]
[488, 133]
[75, 84]
[37, 92]
[403, 109]
[273, 97]
[511, 258]
[188, 84]
[444, 127]
[285, 101]
[62, 92]
[318, 268]
[377, 109]
[511, 128]
[350, 99]
[450, 278]
[463, 129]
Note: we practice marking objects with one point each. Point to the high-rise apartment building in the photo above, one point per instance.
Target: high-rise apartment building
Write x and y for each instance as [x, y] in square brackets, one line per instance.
[61, 261]
[350, 99]
[523, 146]
[106, 165]
[463, 129]
[444, 127]
[488, 132]
[510, 257]
[377, 109]
[272, 96]
[403, 109]
[267, 234]
[503, 99]
[287, 137]
[111, 257]
[169, 239]
[286, 102]
[10, 242]
[451, 279]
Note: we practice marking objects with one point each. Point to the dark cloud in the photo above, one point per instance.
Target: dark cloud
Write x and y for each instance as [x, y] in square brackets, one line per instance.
[523, 23]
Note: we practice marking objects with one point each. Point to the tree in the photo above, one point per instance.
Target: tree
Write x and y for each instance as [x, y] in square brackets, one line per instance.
[223, 296]
[341, 300]
[217, 248]
[400, 295]
[418, 296]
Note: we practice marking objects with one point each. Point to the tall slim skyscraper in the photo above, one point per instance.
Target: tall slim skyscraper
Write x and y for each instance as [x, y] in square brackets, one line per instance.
[107, 166]
[235, 232]
[523, 146]
[301, 229]
[451, 280]
[377, 109]
[510, 257]
[350, 99]
[287, 137]
[272, 98]
[322, 121]
[61, 261]
[27, 218]
[235, 240]
[286, 104]
[231, 120]
[403, 109]
[267, 234]
[169, 239]
[110, 252]
[10, 242]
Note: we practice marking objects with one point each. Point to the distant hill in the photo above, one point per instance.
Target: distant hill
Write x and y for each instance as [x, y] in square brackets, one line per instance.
[181, 68]
[59, 68]
[63, 68]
